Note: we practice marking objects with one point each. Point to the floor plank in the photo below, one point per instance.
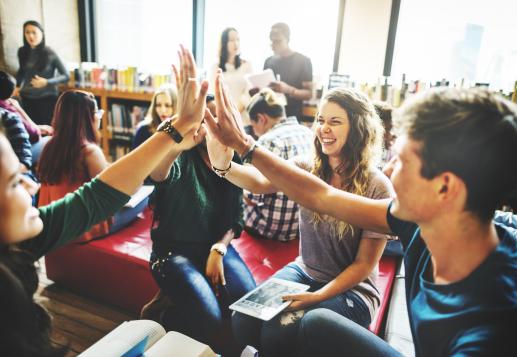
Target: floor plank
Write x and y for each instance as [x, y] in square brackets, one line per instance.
[78, 321]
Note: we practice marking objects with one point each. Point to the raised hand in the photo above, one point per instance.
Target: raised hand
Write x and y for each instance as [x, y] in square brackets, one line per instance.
[228, 128]
[219, 154]
[191, 96]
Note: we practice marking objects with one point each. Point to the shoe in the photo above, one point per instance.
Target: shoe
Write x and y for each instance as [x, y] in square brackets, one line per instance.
[154, 308]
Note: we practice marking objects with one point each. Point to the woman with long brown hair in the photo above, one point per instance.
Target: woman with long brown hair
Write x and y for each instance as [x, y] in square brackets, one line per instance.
[72, 157]
[337, 260]
[27, 233]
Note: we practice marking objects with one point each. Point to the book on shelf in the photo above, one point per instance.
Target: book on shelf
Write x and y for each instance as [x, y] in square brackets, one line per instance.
[147, 338]
[124, 118]
[129, 79]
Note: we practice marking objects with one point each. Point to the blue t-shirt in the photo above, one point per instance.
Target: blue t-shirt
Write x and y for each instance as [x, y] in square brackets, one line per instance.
[476, 316]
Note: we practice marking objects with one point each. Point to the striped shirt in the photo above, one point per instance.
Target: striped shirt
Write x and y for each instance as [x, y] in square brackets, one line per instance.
[274, 216]
[17, 136]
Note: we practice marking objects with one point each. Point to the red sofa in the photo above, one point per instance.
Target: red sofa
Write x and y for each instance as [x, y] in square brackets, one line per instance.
[115, 269]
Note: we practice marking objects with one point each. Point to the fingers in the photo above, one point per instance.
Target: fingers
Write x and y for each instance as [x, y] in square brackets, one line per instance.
[176, 75]
[219, 99]
[201, 99]
[200, 134]
[221, 278]
[211, 123]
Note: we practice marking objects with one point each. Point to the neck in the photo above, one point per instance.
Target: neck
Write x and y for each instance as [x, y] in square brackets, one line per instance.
[285, 53]
[231, 59]
[450, 237]
[334, 162]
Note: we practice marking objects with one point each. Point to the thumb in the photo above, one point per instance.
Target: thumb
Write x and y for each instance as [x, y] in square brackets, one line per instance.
[211, 123]
[200, 134]
[223, 280]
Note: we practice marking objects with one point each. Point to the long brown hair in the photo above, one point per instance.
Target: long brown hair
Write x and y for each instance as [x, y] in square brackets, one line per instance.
[359, 154]
[152, 119]
[74, 127]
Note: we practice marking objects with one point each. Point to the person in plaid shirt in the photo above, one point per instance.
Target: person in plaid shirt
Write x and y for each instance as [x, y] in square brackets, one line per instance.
[275, 216]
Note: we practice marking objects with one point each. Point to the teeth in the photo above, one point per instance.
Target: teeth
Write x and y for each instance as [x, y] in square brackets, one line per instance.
[328, 141]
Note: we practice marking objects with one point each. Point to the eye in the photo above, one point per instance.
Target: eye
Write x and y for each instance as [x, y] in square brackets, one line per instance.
[320, 121]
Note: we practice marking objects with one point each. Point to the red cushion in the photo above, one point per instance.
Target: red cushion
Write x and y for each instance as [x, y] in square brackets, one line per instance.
[114, 269]
[264, 257]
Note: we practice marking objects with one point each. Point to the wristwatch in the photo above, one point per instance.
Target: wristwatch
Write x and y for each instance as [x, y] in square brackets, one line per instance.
[219, 248]
[168, 128]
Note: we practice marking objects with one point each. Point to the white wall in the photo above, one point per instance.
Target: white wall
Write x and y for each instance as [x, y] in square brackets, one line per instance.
[59, 19]
[365, 34]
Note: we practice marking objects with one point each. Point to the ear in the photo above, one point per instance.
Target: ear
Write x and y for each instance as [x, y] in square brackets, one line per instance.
[261, 118]
[451, 187]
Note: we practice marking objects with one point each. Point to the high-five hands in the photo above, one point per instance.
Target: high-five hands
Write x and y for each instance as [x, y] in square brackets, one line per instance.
[191, 95]
[227, 128]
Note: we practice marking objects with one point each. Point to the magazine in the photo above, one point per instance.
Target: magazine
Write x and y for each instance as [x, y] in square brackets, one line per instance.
[265, 301]
[146, 338]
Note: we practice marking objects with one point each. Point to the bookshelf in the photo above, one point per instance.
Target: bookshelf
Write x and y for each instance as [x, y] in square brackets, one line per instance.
[107, 99]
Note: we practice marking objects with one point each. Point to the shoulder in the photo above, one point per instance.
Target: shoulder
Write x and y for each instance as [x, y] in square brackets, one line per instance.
[92, 151]
[379, 185]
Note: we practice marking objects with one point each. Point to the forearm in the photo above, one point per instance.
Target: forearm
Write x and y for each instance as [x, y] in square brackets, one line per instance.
[161, 172]
[249, 178]
[302, 94]
[314, 194]
[349, 278]
[227, 238]
[129, 172]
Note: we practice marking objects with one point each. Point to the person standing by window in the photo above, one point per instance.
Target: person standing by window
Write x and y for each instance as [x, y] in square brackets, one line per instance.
[293, 70]
[37, 76]
[234, 69]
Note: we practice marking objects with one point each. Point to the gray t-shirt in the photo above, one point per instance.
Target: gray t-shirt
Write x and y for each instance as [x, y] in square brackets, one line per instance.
[323, 255]
[293, 70]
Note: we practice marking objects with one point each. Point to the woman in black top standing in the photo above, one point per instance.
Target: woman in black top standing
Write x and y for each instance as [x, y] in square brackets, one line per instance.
[37, 76]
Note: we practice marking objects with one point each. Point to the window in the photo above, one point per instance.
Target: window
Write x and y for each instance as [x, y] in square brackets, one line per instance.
[313, 27]
[142, 33]
[455, 40]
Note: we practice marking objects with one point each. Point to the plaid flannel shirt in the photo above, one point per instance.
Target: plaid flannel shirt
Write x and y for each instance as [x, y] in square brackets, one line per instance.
[274, 216]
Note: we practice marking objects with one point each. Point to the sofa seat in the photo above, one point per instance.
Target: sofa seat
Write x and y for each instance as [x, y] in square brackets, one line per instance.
[115, 269]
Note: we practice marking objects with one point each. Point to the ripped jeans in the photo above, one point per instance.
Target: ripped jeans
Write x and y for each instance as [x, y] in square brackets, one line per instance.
[279, 336]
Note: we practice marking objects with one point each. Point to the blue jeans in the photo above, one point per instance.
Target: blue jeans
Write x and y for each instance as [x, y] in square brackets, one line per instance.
[197, 311]
[326, 333]
[278, 336]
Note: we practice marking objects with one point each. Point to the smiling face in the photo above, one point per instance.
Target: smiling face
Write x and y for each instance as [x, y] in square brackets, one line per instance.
[33, 35]
[163, 106]
[332, 127]
[20, 221]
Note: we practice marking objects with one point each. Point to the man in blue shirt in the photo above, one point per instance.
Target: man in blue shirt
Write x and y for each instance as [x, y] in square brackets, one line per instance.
[456, 163]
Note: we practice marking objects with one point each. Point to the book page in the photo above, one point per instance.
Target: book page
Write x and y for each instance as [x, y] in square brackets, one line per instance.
[262, 79]
[175, 344]
[143, 192]
[131, 338]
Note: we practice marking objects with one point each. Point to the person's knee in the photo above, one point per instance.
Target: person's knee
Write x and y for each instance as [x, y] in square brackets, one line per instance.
[246, 329]
[279, 335]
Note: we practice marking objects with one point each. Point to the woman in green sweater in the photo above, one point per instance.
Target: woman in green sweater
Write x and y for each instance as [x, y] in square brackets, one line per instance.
[27, 233]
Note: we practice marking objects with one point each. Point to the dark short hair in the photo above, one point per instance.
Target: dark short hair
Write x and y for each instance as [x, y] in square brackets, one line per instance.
[7, 85]
[471, 133]
[283, 28]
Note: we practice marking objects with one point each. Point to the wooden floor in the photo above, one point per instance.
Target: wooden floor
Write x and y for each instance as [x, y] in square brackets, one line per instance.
[77, 320]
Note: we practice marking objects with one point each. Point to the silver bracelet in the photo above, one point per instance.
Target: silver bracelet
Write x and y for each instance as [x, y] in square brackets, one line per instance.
[222, 173]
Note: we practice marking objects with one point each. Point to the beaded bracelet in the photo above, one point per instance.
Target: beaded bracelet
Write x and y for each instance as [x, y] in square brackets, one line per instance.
[222, 173]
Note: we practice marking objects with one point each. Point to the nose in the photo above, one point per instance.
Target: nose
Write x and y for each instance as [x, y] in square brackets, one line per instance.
[30, 186]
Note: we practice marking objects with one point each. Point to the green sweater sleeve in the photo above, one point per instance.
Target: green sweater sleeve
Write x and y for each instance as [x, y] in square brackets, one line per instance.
[74, 214]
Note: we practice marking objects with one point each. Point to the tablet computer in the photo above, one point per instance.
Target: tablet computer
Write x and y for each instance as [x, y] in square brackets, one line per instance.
[265, 301]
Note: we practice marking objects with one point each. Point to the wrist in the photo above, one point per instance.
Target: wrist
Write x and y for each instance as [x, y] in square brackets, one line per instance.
[244, 145]
[219, 248]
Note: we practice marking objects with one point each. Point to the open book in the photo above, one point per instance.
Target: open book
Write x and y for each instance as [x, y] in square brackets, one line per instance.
[146, 338]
